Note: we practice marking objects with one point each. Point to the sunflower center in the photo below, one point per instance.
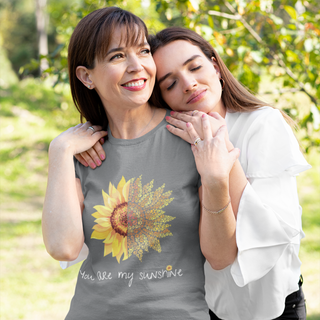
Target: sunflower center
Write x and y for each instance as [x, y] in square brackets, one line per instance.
[119, 221]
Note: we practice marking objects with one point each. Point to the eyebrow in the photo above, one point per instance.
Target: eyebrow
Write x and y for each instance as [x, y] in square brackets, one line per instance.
[122, 48]
[185, 63]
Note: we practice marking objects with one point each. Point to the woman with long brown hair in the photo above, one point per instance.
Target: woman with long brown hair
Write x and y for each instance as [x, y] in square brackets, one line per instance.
[264, 280]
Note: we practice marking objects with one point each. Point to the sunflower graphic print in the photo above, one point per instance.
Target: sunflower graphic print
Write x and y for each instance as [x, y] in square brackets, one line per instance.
[132, 220]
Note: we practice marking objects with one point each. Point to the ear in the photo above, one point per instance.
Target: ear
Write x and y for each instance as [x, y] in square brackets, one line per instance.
[216, 66]
[83, 74]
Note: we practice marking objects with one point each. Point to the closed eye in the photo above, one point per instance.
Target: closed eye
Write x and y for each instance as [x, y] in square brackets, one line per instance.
[196, 68]
[171, 86]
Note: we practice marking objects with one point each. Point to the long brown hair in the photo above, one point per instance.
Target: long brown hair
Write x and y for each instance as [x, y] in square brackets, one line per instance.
[89, 41]
[234, 95]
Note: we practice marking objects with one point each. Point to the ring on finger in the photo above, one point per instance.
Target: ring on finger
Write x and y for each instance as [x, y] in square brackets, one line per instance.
[194, 112]
[92, 128]
[197, 141]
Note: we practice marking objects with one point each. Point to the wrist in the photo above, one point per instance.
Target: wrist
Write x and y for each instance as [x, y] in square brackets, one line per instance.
[220, 185]
[58, 147]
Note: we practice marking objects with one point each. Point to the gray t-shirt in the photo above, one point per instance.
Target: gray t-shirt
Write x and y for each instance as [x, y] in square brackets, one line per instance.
[141, 225]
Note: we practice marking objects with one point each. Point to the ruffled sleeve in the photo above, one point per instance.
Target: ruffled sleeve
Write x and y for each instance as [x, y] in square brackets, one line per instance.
[269, 215]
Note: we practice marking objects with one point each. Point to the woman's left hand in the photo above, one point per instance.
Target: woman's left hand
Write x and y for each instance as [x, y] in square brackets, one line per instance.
[213, 160]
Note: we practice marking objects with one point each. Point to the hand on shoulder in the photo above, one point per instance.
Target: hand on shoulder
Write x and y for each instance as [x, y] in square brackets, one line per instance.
[77, 139]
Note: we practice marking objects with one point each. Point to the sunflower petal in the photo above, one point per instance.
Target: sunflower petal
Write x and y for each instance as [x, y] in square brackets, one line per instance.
[105, 197]
[104, 210]
[121, 184]
[97, 215]
[125, 248]
[125, 191]
[110, 237]
[107, 249]
[104, 222]
[116, 245]
[100, 235]
[112, 202]
[99, 228]
[114, 193]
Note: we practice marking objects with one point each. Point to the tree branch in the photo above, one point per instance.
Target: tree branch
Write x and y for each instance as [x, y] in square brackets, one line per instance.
[275, 56]
[280, 91]
[224, 15]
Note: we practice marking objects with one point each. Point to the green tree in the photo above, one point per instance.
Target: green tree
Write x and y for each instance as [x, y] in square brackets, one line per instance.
[278, 38]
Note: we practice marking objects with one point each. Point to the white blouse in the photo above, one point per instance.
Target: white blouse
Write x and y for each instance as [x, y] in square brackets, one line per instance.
[267, 267]
[268, 233]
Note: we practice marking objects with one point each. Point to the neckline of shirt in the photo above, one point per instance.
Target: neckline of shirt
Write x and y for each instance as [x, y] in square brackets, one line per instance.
[130, 142]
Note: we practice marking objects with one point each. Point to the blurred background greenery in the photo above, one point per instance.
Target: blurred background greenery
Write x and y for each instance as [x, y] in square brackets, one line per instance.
[272, 47]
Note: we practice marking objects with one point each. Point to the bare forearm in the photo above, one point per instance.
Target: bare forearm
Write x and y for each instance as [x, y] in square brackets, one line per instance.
[61, 220]
[218, 231]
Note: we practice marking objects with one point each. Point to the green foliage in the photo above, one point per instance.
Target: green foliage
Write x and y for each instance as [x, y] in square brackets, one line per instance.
[31, 115]
[7, 76]
[18, 30]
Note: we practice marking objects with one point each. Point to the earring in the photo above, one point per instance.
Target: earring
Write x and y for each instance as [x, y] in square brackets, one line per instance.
[89, 86]
[222, 83]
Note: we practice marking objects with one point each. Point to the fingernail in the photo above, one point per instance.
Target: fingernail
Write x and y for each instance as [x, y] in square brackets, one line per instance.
[204, 115]
[98, 162]
[102, 140]
[102, 157]
[92, 165]
[168, 127]
[172, 113]
[188, 124]
[167, 118]
[85, 164]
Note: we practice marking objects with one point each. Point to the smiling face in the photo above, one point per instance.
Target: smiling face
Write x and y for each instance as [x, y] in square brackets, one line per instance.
[188, 80]
[125, 77]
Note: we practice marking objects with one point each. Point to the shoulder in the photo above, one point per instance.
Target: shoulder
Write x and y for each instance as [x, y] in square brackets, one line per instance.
[252, 117]
[267, 143]
[242, 125]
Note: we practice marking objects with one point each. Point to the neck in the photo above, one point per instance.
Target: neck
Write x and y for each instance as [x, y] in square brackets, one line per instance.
[220, 108]
[132, 123]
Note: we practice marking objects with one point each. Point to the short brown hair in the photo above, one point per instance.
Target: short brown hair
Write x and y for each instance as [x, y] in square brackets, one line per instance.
[91, 39]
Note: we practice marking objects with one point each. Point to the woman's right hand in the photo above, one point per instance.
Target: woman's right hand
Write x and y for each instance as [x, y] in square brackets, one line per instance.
[78, 139]
[178, 121]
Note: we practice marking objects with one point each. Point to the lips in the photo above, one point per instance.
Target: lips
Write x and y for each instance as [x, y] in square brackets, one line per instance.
[196, 96]
[135, 84]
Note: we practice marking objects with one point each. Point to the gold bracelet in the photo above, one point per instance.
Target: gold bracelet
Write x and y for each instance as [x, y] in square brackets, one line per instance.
[217, 212]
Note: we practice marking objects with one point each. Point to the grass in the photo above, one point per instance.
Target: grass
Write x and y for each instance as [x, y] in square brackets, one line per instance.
[309, 190]
[33, 286]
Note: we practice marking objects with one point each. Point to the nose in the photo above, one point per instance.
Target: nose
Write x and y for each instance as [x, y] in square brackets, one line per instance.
[189, 84]
[134, 65]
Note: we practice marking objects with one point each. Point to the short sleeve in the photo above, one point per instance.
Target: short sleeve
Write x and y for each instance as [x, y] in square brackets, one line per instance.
[272, 148]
